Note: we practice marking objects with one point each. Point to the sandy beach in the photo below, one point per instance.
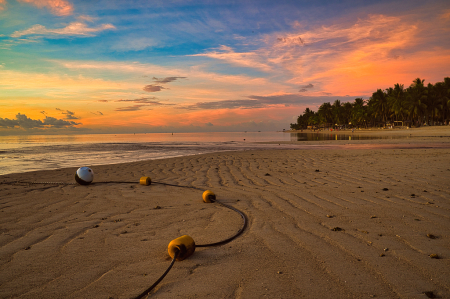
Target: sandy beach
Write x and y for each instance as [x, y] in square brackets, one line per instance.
[368, 220]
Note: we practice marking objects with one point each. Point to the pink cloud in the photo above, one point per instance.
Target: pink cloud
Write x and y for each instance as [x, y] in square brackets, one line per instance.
[357, 58]
[2, 4]
[445, 15]
[75, 28]
[57, 7]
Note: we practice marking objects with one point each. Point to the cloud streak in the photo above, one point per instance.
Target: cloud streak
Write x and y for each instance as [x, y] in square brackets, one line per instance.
[131, 108]
[166, 80]
[254, 101]
[73, 29]
[147, 101]
[134, 44]
[361, 56]
[243, 59]
[306, 87]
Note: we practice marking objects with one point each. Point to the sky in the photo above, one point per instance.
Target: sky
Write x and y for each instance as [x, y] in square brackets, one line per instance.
[77, 67]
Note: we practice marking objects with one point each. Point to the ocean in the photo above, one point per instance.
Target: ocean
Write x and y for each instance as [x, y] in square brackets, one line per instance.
[26, 153]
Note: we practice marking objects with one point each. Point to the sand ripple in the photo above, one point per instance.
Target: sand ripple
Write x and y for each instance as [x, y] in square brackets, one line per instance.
[322, 224]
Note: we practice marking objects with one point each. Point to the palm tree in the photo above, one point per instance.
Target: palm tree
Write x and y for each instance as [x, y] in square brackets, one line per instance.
[294, 126]
[359, 113]
[325, 113]
[337, 112]
[433, 103]
[347, 112]
[416, 98]
[444, 98]
[396, 99]
[307, 114]
[314, 119]
[304, 120]
[379, 105]
[414, 103]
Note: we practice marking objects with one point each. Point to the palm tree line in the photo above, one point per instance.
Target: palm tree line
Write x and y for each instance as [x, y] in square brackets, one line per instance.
[415, 105]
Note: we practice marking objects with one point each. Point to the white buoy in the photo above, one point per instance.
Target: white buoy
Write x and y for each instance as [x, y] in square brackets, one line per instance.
[84, 176]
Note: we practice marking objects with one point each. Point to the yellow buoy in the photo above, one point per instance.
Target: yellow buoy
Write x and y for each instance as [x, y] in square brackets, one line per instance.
[145, 180]
[184, 244]
[209, 196]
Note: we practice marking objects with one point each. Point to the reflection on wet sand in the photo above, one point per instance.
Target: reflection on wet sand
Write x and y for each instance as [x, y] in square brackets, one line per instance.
[316, 136]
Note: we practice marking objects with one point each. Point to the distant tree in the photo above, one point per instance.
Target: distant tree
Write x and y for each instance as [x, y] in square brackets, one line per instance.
[359, 113]
[325, 113]
[306, 119]
[337, 112]
[432, 102]
[416, 99]
[396, 102]
[309, 117]
[417, 103]
[294, 127]
[347, 112]
[443, 91]
[378, 105]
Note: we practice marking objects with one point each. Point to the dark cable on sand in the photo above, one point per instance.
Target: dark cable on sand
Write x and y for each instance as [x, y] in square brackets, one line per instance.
[240, 231]
[95, 183]
[37, 183]
[147, 291]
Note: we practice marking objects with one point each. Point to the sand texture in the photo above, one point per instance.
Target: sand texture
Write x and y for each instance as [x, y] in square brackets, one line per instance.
[334, 223]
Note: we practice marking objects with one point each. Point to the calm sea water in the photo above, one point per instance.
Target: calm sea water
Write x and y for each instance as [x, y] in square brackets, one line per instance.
[20, 154]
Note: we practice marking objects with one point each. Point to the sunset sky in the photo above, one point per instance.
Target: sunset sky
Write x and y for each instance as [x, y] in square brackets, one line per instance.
[192, 66]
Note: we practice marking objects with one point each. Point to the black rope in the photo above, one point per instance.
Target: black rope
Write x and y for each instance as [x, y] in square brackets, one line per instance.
[153, 182]
[167, 184]
[147, 291]
[240, 231]
[37, 183]
[96, 183]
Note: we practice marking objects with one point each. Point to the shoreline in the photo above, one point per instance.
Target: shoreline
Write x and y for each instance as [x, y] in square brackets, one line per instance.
[30, 159]
[353, 222]
[421, 136]
[426, 131]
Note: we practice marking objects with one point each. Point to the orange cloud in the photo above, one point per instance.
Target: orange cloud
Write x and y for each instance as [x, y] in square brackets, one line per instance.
[75, 28]
[332, 58]
[199, 84]
[119, 67]
[167, 117]
[18, 81]
[2, 4]
[356, 59]
[446, 15]
[57, 7]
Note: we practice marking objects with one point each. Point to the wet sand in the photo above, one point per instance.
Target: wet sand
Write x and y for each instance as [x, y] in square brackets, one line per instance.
[434, 134]
[324, 223]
